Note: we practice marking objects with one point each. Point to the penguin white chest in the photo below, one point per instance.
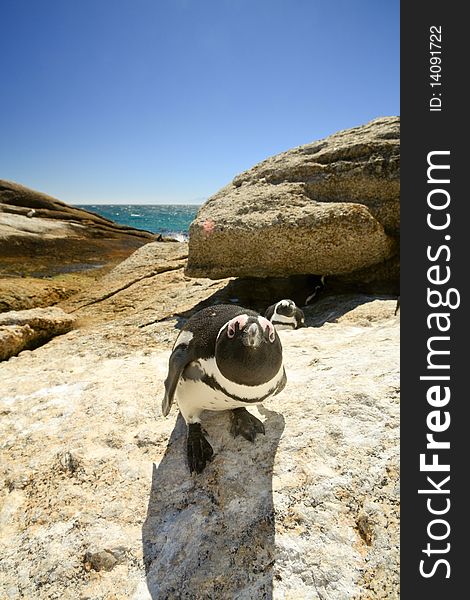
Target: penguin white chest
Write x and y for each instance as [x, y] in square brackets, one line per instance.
[195, 396]
[289, 325]
[283, 322]
[203, 387]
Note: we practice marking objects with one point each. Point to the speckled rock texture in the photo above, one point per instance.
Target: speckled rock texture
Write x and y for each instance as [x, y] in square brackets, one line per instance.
[96, 498]
[149, 286]
[330, 207]
[26, 329]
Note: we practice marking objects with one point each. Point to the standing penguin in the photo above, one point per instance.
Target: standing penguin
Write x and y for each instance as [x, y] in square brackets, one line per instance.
[225, 358]
[285, 315]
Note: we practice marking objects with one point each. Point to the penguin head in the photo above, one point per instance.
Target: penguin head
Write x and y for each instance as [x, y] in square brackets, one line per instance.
[248, 349]
[286, 308]
[287, 316]
[248, 332]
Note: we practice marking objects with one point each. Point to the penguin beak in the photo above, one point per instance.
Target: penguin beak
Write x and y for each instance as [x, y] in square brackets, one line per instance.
[252, 337]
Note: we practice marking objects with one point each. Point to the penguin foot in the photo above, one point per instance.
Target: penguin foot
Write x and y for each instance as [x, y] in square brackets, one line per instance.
[245, 424]
[199, 450]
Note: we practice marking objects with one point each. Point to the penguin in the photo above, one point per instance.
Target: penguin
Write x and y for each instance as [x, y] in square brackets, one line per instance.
[225, 358]
[285, 315]
[318, 288]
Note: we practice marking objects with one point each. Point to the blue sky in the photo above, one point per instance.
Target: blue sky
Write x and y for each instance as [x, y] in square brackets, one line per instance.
[165, 101]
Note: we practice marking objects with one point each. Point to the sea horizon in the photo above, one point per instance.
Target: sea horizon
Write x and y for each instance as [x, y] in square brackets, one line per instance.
[82, 204]
[171, 220]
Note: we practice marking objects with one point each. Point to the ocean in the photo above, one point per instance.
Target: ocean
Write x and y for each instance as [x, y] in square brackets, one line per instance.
[172, 220]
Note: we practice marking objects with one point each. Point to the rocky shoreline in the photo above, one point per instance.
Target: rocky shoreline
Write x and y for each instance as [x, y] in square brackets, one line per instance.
[96, 497]
[50, 251]
[40, 234]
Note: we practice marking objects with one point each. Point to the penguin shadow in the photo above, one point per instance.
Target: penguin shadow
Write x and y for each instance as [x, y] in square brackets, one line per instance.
[330, 307]
[256, 293]
[327, 307]
[211, 536]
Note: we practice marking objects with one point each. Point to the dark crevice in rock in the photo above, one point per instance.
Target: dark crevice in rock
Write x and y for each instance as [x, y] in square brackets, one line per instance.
[364, 529]
[327, 301]
[29, 329]
[160, 320]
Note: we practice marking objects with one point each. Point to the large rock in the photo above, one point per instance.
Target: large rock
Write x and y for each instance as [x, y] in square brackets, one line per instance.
[329, 207]
[27, 329]
[39, 234]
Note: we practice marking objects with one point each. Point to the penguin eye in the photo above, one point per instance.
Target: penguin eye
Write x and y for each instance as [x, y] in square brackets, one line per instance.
[240, 320]
[268, 326]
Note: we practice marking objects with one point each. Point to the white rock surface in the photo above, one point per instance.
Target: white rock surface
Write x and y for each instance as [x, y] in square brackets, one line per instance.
[95, 478]
[20, 329]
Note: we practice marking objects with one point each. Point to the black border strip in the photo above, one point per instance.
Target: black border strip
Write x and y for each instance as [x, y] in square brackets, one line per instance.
[424, 131]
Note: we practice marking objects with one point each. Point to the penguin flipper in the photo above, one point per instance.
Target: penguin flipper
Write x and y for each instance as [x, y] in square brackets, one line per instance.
[299, 317]
[179, 359]
[269, 312]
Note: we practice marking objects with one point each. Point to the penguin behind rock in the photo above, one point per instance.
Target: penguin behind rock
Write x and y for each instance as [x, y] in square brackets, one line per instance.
[285, 315]
[320, 284]
[225, 358]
